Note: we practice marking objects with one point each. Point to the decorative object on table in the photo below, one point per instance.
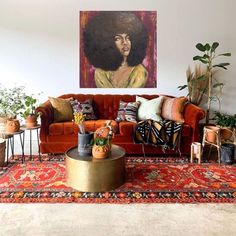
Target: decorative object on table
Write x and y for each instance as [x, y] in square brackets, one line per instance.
[29, 112]
[11, 102]
[213, 87]
[227, 123]
[2, 151]
[196, 152]
[84, 139]
[102, 141]
[12, 125]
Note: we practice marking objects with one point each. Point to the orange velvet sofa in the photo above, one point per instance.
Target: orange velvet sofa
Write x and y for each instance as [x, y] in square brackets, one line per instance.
[59, 137]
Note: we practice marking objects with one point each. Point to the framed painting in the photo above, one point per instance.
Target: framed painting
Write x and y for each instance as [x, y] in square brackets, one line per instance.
[118, 49]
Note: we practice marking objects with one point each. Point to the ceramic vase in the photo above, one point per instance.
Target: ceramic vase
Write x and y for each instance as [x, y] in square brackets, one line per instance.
[85, 144]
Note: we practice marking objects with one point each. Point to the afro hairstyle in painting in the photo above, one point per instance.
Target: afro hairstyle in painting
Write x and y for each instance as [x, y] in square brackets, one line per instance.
[99, 44]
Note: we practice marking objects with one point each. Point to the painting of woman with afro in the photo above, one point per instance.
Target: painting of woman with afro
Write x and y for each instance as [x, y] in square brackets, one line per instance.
[115, 46]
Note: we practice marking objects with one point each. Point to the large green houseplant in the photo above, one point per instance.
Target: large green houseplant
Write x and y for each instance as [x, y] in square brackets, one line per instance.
[210, 87]
[208, 58]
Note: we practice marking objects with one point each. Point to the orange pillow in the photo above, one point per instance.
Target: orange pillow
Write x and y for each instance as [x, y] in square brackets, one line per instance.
[172, 109]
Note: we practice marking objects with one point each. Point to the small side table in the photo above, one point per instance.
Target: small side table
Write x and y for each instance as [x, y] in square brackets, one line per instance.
[10, 142]
[31, 129]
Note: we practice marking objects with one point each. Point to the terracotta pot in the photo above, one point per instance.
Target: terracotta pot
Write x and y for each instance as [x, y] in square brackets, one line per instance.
[12, 126]
[100, 152]
[226, 133]
[211, 133]
[31, 121]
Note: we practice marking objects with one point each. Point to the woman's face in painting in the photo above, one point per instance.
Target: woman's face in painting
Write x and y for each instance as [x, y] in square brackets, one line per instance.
[123, 43]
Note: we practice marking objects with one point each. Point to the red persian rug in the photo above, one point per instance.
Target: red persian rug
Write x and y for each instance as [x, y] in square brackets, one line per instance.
[149, 180]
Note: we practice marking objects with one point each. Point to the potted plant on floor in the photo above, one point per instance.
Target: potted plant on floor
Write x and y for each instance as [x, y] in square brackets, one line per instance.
[214, 87]
[203, 82]
[29, 113]
[11, 102]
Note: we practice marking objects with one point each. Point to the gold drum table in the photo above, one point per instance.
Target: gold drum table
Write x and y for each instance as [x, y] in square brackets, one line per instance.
[87, 174]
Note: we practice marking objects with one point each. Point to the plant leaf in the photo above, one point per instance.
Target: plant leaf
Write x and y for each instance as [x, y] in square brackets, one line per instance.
[227, 54]
[196, 58]
[222, 65]
[202, 77]
[217, 85]
[200, 47]
[203, 61]
[205, 56]
[207, 47]
[182, 87]
[214, 46]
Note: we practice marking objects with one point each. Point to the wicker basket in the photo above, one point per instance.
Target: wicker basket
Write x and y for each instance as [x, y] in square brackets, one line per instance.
[2, 151]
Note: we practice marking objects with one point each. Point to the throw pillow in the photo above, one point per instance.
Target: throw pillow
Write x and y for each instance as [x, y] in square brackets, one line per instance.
[128, 111]
[62, 109]
[172, 109]
[150, 109]
[86, 107]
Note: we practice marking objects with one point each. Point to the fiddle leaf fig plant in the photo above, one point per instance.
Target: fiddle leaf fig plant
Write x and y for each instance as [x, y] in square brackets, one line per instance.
[214, 87]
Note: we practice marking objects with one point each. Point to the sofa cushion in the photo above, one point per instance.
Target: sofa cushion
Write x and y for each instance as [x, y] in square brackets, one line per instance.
[172, 109]
[62, 109]
[62, 128]
[86, 107]
[127, 128]
[150, 109]
[67, 128]
[128, 111]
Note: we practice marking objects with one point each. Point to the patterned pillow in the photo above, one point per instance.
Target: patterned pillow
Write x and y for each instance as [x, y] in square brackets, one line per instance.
[150, 109]
[62, 109]
[86, 107]
[172, 109]
[128, 111]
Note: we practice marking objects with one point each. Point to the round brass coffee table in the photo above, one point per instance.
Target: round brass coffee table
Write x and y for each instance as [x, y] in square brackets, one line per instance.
[87, 174]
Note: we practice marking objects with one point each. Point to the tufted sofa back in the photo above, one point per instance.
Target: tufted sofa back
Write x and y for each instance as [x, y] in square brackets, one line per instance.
[107, 105]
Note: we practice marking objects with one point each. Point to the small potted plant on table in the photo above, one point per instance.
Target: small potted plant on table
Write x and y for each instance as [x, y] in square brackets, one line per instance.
[102, 141]
[29, 112]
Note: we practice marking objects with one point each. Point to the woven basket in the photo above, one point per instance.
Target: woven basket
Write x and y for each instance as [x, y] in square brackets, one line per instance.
[2, 151]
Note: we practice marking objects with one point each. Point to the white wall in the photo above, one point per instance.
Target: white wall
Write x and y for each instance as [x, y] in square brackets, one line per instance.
[39, 42]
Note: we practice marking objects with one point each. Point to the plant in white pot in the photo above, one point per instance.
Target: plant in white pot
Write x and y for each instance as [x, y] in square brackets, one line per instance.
[11, 102]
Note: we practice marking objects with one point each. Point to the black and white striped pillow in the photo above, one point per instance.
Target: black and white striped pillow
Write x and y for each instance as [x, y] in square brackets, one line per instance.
[128, 111]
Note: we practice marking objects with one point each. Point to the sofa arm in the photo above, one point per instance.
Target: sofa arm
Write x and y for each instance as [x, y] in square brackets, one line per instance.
[47, 117]
[192, 115]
